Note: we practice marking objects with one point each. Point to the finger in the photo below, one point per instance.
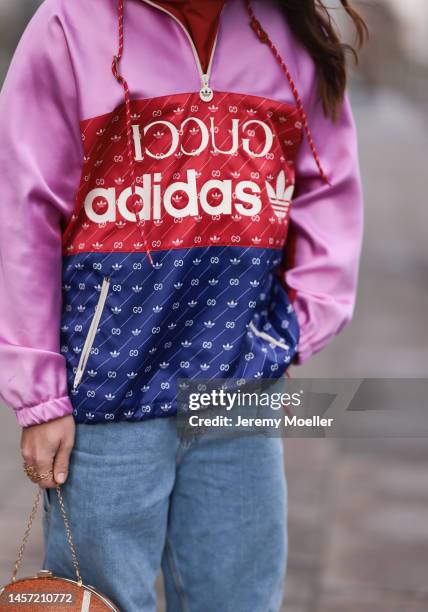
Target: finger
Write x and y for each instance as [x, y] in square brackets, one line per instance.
[27, 452]
[30, 464]
[44, 469]
[61, 463]
[39, 446]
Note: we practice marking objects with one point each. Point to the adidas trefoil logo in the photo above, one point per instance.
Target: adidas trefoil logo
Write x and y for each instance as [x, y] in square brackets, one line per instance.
[280, 195]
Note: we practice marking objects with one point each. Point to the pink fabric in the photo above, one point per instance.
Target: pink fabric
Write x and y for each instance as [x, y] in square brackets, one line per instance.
[40, 163]
[326, 231]
[61, 74]
[52, 408]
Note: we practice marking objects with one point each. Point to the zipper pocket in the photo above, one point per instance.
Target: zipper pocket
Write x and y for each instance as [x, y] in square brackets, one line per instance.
[267, 337]
[89, 341]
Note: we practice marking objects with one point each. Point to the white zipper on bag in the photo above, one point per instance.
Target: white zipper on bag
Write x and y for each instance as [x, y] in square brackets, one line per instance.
[206, 93]
[267, 337]
[89, 341]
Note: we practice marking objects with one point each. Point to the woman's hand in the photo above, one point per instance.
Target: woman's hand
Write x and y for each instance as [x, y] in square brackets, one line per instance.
[47, 447]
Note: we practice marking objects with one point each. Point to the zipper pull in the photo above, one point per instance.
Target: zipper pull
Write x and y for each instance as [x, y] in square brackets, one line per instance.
[77, 379]
[206, 93]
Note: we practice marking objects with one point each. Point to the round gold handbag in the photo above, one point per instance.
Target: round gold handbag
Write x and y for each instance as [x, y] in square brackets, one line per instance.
[46, 592]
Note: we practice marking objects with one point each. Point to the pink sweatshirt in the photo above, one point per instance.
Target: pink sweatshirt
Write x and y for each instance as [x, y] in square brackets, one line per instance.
[227, 188]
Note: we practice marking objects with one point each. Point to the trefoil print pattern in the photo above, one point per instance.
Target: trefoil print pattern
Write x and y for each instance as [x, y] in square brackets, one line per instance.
[215, 182]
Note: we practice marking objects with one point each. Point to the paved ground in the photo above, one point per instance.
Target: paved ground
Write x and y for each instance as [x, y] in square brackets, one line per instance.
[358, 510]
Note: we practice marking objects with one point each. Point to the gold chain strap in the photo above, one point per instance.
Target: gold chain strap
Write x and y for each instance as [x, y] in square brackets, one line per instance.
[26, 535]
[69, 536]
[30, 524]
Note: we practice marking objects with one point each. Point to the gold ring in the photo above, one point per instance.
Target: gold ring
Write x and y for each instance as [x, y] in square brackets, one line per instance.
[34, 475]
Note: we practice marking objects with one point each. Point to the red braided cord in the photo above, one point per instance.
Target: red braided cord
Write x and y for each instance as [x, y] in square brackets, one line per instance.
[264, 38]
[127, 99]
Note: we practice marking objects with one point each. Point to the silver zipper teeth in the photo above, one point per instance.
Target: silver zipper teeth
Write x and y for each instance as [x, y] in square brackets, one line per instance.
[267, 337]
[89, 341]
[204, 76]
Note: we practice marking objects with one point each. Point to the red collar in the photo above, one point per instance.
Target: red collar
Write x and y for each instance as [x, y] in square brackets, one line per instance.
[201, 20]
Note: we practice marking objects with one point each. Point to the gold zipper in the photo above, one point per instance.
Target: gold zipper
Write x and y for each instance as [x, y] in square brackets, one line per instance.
[89, 341]
[205, 93]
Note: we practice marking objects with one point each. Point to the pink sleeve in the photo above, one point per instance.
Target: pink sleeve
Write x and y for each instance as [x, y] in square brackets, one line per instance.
[40, 163]
[326, 229]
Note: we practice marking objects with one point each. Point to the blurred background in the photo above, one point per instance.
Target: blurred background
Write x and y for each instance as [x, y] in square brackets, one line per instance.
[358, 509]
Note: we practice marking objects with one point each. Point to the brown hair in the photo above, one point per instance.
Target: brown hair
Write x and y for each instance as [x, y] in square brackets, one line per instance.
[312, 24]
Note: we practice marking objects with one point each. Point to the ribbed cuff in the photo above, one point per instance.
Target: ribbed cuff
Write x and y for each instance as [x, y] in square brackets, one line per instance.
[42, 413]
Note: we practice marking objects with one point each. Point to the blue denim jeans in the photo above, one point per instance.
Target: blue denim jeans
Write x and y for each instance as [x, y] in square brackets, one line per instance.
[210, 512]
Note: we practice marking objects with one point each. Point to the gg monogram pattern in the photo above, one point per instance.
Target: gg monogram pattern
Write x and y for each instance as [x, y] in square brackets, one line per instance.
[215, 183]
